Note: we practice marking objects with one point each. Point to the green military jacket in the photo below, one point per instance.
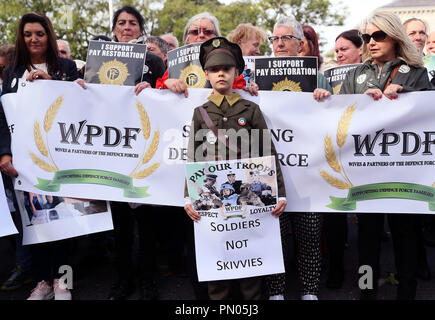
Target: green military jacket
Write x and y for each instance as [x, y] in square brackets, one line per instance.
[367, 76]
[242, 114]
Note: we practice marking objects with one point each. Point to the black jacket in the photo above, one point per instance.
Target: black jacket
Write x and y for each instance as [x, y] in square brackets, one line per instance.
[68, 73]
[154, 68]
[367, 76]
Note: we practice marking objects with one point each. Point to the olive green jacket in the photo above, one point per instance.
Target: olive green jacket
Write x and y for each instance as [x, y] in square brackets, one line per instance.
[367, 76]
[243, 114]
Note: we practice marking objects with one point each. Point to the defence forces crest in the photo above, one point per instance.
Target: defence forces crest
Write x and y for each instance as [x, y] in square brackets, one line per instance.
[193, 76]
[113, 72]
[287, 85]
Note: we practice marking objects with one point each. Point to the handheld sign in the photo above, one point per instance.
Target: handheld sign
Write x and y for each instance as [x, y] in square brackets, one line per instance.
[336, 75]
[115, 63]
[237, 236]
[183, 64]
[297, 74]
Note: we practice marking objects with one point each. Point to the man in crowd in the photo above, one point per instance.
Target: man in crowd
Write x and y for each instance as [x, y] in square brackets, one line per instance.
[171, 40]
[431, 43]
[159, 47]
[417, 31]
[63, 49]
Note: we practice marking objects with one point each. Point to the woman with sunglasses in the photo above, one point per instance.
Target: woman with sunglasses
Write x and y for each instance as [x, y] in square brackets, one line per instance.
[200, 28]
[391, 65]
[36, 57]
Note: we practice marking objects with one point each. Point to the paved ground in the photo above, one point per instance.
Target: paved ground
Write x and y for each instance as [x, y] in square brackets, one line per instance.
[92, 275]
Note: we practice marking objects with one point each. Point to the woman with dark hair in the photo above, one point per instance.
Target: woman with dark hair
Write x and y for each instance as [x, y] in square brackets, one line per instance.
[36, 57]
[128, 26]
[348, 47]
[310, 48]
[36, 54]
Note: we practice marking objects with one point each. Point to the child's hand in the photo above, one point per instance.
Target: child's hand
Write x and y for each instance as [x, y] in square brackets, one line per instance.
[253, 89]
[177, 86]
[279, 209]
[192, 213]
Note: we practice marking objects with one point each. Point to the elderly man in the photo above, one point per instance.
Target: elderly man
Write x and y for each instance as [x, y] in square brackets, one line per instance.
[287, 40]
[431, 43]
[417, 31]
[171, 40]
[158, 46]
[63, 49]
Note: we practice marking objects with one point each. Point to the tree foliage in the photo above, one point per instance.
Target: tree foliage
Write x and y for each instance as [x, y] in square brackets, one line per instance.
[80, 20]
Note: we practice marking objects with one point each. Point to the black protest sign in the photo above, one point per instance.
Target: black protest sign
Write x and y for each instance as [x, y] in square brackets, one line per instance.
[336, 75]
[115, 63]
[297, 74]
[183, 64]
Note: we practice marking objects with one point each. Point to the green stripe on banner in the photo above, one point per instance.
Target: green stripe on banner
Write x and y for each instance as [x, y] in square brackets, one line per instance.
[387, 190]
[92, 176]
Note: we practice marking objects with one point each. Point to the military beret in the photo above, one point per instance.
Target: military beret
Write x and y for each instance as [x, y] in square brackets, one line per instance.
[219, 51]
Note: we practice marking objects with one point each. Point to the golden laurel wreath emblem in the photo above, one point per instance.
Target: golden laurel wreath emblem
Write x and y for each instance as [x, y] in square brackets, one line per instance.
[113, 72]
[245, 211]
[330, 155]
[51, 113]
[147, 155]
[50, 166]
[193, 76]
[287, 85]
[337, 88]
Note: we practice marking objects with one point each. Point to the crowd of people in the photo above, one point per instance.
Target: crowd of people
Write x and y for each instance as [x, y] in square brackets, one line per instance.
[383, 46]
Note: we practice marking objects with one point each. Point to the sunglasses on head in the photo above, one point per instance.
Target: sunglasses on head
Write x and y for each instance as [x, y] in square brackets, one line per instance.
[195, 32]
[377, 36]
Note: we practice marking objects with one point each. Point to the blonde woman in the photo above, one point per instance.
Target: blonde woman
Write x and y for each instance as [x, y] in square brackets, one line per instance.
[386, 49]
[248, 37]
[391, 66]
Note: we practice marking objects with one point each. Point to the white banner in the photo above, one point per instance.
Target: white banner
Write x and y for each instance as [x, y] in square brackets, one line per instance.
[7, 226]
[237, 236]
[346, 153]
[48, 218]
